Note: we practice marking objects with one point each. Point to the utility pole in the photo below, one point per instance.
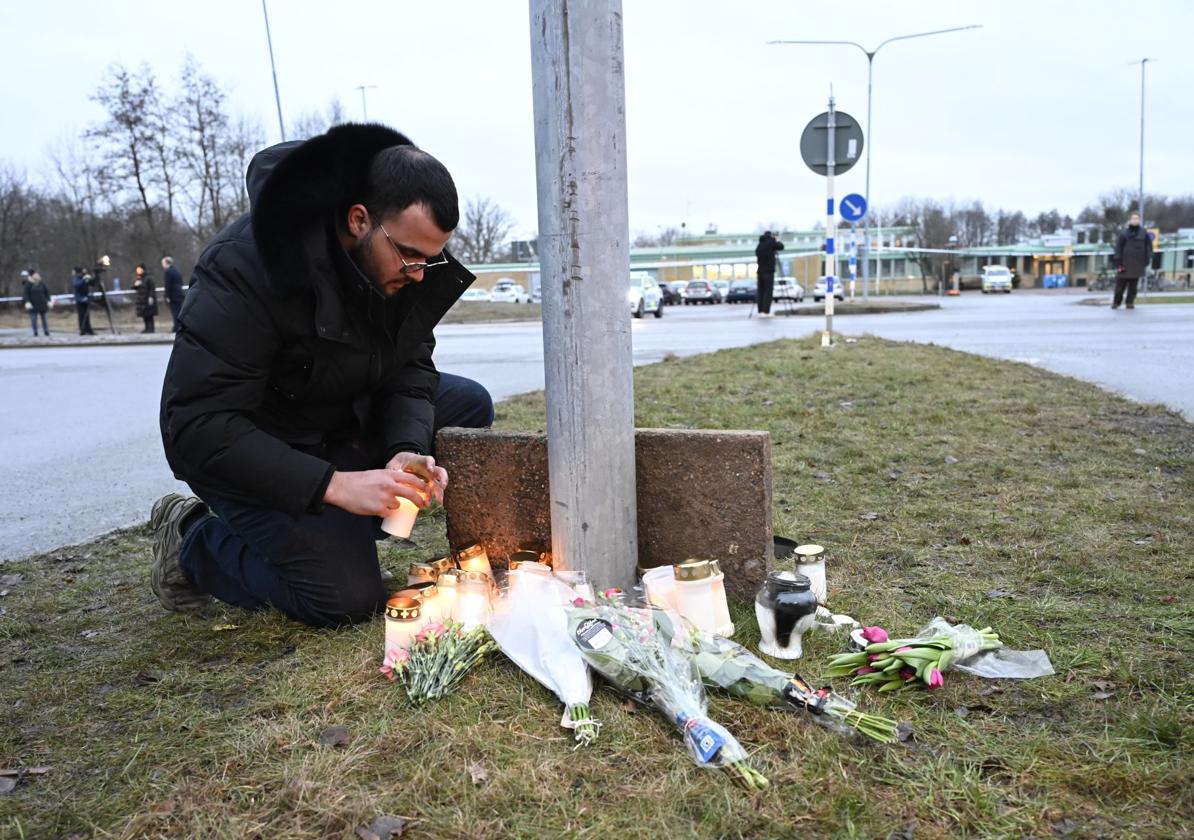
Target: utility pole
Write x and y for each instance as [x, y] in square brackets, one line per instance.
[277, 97]
[364, 106]
[584, 253]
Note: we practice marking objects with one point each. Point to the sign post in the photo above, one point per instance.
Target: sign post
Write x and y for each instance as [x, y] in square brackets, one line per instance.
[853, 208]
[834, 153]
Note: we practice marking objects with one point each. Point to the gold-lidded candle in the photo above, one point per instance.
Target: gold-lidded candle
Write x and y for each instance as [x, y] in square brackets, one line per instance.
[442, 564]
[402, 623]
[473, 599]
[448, 586]
[472, 557]
[694, 593]
[428, 592]
[420, 572]
[810, 562]
[539, 548]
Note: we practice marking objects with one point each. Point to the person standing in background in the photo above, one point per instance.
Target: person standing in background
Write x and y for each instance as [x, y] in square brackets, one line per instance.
[81, 286]
[145, 297]
[1133, 254]
[36, 297]
[172, 279]
[765, 257]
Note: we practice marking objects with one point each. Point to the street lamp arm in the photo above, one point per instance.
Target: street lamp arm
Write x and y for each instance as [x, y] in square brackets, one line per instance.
[847, 43]
[923, 34]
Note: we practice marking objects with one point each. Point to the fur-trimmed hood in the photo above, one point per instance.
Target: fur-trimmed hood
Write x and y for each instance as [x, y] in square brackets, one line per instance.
[297, 189]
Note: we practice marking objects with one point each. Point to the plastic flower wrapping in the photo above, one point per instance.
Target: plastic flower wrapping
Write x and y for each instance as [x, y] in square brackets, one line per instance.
[530, 626]
[631, 648]
[731, 667]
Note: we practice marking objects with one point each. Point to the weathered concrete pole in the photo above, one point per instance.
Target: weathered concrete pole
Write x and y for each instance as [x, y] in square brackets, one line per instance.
[584, 258]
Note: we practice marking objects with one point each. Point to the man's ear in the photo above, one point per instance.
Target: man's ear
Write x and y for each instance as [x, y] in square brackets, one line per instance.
[358, 221]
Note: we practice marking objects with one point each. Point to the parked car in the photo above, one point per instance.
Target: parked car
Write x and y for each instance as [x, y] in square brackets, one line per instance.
[507, 291]
[475, 294]
[723, 287]
[787, 289]
[644, 295]
[671, 292]
[537, 295]
[743, 291]
[701, 291]
[997, 278]
[839, 289]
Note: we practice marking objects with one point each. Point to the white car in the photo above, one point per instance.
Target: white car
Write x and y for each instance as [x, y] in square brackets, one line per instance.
[507, 291]
[723, 287]
[644, 295]
[997, 278]
[475, 294]
[786, 288]
[839, 289]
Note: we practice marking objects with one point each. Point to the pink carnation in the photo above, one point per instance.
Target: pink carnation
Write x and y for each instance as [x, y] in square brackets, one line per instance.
[874, 635]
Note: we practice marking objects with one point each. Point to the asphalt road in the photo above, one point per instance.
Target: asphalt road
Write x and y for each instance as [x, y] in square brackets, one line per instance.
[82, 455]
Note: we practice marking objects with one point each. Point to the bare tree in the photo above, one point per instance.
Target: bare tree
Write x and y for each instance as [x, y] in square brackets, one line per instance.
[482, 233]
[314, 123]
[135, 155]
[16, 214]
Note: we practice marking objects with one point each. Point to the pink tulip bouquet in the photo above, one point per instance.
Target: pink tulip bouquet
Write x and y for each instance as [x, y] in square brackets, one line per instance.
[894, 664]
[437, 660]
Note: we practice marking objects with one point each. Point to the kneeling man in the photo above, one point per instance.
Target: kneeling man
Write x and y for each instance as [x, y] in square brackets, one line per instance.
[301, 397]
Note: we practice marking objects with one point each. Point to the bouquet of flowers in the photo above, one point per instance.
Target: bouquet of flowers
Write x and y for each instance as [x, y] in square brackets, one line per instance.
[531, 628]
[731, 667]
[624, 644]
[437, 660]
[895, 664]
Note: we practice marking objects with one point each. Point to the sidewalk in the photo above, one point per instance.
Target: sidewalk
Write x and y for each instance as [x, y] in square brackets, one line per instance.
[18, 338]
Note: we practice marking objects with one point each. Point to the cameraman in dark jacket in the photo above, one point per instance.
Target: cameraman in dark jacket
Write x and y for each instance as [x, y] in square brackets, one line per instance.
[172, 282]
[301, 398]
[1133, 255]
[765, 257]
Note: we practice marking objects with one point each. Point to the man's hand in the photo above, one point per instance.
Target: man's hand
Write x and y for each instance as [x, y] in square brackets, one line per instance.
[424, 467]
[374, 492]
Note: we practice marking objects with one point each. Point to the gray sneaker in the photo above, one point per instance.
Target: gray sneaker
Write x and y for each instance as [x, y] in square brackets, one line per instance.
[169, 582]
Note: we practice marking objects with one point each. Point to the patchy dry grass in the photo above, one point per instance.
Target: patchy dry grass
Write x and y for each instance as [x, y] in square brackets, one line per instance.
[1005, 496]
[477, 311]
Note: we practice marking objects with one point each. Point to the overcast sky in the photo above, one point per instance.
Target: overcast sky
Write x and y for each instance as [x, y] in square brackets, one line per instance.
[1039, 109]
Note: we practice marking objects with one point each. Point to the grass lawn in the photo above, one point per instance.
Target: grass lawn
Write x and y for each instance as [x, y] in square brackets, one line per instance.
[1001, 495]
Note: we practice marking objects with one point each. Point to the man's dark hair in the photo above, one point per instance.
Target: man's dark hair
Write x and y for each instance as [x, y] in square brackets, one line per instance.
[401, 176]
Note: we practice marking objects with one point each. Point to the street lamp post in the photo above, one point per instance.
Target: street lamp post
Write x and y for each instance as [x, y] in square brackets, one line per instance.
[364, 107]
[273, 69]
[870, 61]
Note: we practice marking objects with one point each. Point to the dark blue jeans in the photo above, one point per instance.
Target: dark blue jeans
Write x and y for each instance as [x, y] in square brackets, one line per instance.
[33, 318]
[318, 568]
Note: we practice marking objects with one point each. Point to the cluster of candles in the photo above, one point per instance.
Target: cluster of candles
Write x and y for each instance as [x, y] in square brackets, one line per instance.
[459, 588]
[695, 589]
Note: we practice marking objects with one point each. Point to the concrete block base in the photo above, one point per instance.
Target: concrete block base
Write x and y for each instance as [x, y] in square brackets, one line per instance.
[702, 494]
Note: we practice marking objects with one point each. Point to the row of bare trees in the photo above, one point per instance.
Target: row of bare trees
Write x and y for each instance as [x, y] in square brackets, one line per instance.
[160, 173]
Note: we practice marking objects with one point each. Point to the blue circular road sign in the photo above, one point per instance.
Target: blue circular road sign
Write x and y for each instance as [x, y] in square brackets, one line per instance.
[853, 207]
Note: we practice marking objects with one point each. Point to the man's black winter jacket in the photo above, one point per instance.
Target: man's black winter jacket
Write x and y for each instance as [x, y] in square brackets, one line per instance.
[285, 353]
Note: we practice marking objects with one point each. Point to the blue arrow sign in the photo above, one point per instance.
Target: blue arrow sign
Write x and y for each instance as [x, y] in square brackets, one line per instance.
[853, 207]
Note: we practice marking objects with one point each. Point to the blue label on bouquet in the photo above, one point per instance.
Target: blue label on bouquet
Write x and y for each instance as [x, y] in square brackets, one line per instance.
[705, 742]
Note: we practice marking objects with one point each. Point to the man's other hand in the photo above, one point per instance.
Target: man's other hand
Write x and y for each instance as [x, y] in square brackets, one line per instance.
[374, 492]
[423, 466]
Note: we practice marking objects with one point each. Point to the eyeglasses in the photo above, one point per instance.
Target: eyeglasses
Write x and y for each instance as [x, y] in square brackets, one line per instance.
[411, 267]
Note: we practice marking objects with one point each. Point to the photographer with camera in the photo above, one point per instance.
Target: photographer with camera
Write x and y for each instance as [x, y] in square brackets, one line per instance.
[80, 283]
[765, 257]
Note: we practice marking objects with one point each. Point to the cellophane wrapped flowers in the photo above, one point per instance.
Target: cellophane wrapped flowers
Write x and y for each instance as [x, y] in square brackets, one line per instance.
[896, 664]
[625, 645]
